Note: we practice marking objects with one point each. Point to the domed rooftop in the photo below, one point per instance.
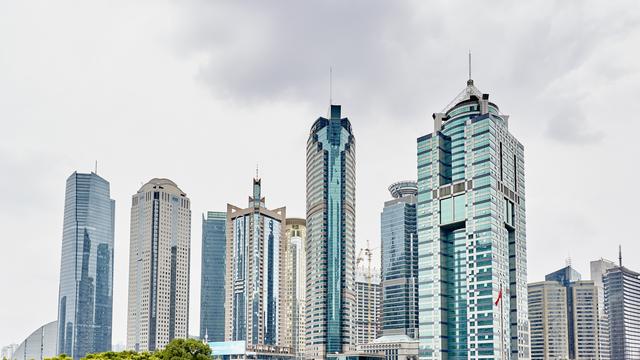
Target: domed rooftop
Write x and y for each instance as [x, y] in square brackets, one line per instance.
[403, 188]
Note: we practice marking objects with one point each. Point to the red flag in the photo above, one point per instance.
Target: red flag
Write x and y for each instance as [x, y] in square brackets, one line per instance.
[499, 297]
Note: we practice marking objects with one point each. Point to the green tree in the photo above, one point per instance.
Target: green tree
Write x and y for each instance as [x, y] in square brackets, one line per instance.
[121, 355]
[59, 357]
[185, 349]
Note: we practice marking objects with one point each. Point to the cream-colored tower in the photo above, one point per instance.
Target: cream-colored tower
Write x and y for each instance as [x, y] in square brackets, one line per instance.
[296, 233]
[158, 309]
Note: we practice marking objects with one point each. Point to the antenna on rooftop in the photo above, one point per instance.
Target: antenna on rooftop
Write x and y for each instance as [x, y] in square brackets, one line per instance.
[96, 168]
[330, 85]
[257, 171]
[469, 64]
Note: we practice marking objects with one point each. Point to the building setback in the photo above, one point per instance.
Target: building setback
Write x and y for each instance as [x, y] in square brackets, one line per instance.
[256, 291]
[399, 240]
[214, 246]
[85, 300]
[548, 320]
[471, 233]
[159, 252]
[330, 246]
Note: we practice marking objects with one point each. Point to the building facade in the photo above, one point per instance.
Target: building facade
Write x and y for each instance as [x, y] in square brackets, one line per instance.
[548, 320]
[399, 240]
[159, 255]
[598, 269]
[622, 306]
[330, 246]
[566, 277]
[584, 314]
[40, 345]
[85, 300]
[368, 306]
[296, 234]
[471, 235]
[256, 292]
[393, 347]
[214, 247]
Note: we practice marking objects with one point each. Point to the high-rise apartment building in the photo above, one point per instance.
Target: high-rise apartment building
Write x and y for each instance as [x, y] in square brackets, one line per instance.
[256, 292]
[214, 247]
[330, 247]
[622, 306]
[296, 233]
[368, 306]
[399, 240]
[548, 320]
[85, 298]
[159, 252]
[472, 265]
[598, 269]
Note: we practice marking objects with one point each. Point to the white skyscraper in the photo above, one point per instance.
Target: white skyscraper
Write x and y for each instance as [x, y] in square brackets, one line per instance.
[158, 266]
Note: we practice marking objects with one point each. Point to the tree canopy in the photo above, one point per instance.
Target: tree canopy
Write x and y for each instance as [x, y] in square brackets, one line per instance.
[177, 349]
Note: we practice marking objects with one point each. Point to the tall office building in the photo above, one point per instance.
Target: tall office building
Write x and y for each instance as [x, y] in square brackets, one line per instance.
[296, 233]
[214, 247]
[85, 298]
[566, 276]
[622, 306]
[471, 233]
[330, 247]
[159, 252]
[584, 296]
[256, 292]
[398, 232]
[548, 320]
[598, 269]
[368, 306]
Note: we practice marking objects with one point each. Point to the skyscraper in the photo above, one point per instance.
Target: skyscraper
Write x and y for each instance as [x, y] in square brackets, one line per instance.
[548, 319]
[256, 295]
[584, 296]
[330, 247]
[85, 298]
[598, 269]
[471, 232]
[296, 234]
[368, 306]
[622, 305]
[566, 276]
[159, 252]
[398, 232]
[214, 247]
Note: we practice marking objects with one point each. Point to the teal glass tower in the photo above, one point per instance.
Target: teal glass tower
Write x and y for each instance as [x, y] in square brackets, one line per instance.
[85, 300]
[212, 292]
[330, 247]
[471, 235]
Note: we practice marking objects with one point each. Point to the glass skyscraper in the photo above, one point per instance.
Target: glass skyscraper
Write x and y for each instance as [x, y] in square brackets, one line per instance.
[471, 234]
[256, 294]
[86, 271]
[398, 232]
[296, 233]
[622, 305]
[214, 245]
[330, 247]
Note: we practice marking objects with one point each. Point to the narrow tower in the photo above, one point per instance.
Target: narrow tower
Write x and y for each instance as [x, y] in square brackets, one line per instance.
[330, 244]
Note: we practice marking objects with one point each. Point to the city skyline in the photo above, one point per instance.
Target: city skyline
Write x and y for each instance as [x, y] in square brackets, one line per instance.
[88, 98]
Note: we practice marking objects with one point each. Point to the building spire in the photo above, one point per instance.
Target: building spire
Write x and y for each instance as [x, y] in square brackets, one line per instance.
[469, 81]
[330, 85]
[257, 168]
[620, 255]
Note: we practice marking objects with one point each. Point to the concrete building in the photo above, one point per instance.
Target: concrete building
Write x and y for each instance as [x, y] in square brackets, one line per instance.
[598, 269]
[368, 306]
[296, 235]
[548, 320]
[622, 306]
[399, 240]
[159, 253]
[41, 344]
[393, 347]
[472, 234]
[212, 291]
[330, 247]
[256, 276]
[85, 298]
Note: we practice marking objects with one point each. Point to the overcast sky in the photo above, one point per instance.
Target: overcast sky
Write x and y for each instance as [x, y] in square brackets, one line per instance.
[201, 91]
